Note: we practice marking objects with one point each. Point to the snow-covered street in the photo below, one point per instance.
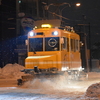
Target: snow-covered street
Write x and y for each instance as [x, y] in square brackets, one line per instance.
[39, 90]
[46, 90]
[58, 89]
[12, 93]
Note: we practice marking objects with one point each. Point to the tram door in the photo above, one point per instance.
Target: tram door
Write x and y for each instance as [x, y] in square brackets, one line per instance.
[65, 54]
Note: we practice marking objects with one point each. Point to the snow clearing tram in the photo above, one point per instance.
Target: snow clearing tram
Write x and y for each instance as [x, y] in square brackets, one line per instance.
[52, 51]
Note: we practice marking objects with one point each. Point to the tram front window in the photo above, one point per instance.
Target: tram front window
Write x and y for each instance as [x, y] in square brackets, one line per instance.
[35, 44]
[52, 44]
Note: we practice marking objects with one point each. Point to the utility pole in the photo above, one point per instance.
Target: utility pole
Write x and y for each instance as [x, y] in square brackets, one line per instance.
[85, 45]
[0, 2]
[86, 57]
[17, 18]
[37, 6]
[90, 49]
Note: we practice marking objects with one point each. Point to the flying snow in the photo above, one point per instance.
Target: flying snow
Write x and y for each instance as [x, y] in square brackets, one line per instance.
[59, 87]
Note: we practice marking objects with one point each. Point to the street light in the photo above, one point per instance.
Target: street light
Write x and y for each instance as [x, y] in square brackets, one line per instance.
[78, 4]
[46, 7]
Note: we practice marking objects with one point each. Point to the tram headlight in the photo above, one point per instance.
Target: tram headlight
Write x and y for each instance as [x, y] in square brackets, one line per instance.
[31, 33]
[55, 33]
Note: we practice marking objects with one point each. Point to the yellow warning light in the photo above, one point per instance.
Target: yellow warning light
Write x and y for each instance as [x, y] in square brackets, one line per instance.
[46, 26]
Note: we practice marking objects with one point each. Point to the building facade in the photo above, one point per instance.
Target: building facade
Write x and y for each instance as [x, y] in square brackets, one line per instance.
[15, 18]
[7, 32]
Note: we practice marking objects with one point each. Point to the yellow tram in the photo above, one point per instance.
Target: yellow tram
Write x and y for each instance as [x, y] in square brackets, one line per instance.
[52, 50]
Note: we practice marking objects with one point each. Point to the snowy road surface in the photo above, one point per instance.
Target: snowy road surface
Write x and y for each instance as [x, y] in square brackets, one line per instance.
[13, 93]
[59, 89]
[46, 90]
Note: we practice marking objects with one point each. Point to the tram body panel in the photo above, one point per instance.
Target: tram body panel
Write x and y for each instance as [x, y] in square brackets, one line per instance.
[59, 52]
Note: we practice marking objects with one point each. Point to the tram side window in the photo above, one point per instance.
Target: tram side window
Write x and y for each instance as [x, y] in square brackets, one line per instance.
[72, 45]
[76, 45]
[68, 44]
[64, 44]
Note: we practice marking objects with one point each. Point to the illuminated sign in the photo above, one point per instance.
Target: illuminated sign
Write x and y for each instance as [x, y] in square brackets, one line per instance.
[46, 26]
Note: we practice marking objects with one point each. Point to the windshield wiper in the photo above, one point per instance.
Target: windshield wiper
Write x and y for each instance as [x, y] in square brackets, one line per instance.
[33, 49]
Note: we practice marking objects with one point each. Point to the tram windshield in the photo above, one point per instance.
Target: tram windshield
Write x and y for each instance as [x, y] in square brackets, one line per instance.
[52, 44]
[44, 44]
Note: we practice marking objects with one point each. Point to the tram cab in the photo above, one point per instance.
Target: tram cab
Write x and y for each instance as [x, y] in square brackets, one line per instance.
[52, 50]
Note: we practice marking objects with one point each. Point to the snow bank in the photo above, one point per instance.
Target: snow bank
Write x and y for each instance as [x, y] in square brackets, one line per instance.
[93, 91]
[11, 71]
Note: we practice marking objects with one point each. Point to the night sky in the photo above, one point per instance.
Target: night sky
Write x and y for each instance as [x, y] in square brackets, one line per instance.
[89, 8]
[88, 12]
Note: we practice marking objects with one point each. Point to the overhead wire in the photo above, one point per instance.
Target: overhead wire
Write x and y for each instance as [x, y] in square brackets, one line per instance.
[58, 15]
